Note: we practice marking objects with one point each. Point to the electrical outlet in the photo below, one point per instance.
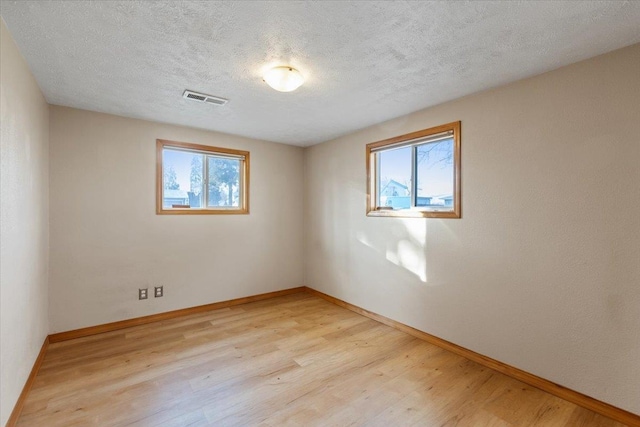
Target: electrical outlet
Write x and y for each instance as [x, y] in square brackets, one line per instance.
[158, 291]
[143, 293]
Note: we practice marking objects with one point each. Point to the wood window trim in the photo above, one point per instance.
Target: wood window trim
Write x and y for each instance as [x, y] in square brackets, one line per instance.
[245, 173]
[407, 213]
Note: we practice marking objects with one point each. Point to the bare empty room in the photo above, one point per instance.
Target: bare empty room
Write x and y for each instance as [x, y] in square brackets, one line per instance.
[320, 213]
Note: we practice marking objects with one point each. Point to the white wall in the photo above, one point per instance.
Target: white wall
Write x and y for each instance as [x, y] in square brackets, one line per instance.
[543, 270]
[107, 241]
[24, 223]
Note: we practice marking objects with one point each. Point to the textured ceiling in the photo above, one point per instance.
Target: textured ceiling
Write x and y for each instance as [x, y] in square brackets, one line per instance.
[364, 62]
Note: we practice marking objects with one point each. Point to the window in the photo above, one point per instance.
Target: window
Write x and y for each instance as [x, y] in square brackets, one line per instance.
[199, 179]
[415, 175]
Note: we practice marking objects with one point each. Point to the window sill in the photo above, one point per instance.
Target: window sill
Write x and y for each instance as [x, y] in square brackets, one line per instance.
[407, 213]
[202, 212]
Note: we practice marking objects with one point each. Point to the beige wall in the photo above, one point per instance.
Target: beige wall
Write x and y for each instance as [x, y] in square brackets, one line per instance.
[107, 241]
[543, 270]
[24, 223]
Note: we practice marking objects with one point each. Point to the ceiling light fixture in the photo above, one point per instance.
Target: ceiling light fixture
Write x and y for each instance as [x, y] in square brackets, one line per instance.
[284, 79]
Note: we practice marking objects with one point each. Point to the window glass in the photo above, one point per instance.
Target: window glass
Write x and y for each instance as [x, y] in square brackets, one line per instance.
[395, 178]
[434, 166]
[224, 181]
[182, 178]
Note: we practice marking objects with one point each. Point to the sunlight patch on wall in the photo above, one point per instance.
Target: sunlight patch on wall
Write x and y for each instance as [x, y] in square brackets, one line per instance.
[404, 244]
[362, 238]
[417, 229]
[409, 256]
[409, 250]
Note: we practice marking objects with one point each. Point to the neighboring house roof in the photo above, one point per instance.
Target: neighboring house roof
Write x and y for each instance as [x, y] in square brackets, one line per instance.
[394, 183]
[442, 197]
[175, 194]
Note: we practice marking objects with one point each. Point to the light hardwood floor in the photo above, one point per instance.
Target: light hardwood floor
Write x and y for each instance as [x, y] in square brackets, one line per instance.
[292, 360]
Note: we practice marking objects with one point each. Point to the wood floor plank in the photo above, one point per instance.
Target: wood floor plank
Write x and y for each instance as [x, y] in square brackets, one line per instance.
[291, 360]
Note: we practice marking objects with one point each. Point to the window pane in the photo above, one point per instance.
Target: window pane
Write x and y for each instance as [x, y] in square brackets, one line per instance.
[434, 166]
[394, 178]
[224, 182]
[182, 180]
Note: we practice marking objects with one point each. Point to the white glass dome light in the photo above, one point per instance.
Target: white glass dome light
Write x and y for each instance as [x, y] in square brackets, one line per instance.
[284, 79]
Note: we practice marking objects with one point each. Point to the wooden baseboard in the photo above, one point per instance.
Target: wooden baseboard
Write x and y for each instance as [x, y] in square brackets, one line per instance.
[17, 409]
[114, 326]
[562, 392]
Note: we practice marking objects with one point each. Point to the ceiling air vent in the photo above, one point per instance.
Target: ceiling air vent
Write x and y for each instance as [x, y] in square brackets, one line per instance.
[201, 97]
